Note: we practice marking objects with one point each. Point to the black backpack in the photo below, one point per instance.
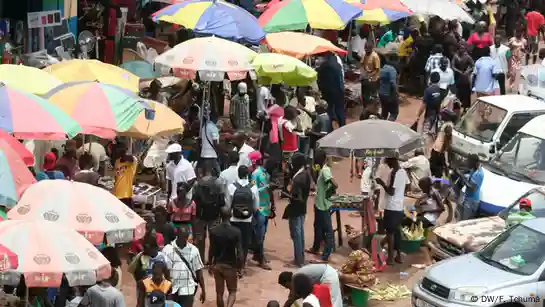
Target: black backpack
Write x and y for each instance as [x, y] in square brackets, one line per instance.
[207, 196]
[243, 201]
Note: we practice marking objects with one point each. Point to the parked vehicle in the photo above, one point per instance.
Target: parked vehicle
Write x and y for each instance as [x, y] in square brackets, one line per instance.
[532, 81]
[491, 122]
[507, 272]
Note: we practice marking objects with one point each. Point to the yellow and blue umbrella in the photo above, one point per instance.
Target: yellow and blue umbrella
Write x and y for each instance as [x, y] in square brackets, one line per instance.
[213, 17]
[380, 11]
[289, 15]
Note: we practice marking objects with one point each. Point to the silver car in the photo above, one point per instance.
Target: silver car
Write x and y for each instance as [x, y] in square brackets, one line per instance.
[508, 272]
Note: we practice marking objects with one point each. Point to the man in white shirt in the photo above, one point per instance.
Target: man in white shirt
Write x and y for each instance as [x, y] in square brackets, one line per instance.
[417, 167]
[446, 76]
[178, 170]
[243, 149]
[230, 174]
[357, 45]
[185, 268]
[501, 54]
[210, 136]
[394, 208]
[243, 198]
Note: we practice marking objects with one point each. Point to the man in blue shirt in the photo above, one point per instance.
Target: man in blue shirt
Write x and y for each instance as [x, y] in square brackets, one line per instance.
[485, 74]
[387, 91]
[468, 209]
[432, 104]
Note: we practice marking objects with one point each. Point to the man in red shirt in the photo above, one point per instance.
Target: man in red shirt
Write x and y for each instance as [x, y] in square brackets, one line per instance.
[535, 23]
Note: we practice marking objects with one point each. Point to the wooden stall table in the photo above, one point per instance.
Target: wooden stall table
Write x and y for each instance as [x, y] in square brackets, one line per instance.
[345, 202]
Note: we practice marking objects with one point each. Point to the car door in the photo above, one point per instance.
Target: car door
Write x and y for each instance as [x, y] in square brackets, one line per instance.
[517, 121]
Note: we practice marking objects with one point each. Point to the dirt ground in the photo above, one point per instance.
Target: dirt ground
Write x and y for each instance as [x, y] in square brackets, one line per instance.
[259, 286]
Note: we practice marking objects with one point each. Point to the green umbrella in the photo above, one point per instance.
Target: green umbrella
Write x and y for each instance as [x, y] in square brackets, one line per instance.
[142, 69]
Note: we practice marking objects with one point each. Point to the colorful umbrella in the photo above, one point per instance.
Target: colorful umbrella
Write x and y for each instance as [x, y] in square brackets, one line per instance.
[141, 69]
[48, 250]
[274, 68]
[380, 11]
[165, 122]
[214, 17]
[28, 116]
[202, 55]
[91, 211]
[93, 70]
[15, 177]
[298, 14]
[101, 109]
[18, 76]
[300, 45]
[18, 147]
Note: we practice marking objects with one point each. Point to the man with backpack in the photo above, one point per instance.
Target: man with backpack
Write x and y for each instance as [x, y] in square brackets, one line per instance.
[208, 200]
[243, 198]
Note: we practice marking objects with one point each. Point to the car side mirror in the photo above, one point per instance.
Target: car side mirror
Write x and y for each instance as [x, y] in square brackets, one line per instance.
[492, 149]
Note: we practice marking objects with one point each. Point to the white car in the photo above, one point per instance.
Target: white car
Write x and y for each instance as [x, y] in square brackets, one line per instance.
[532, 81]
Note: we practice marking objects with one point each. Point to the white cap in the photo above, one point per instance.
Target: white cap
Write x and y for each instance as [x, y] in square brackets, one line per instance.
[242, 88]
[172, 148]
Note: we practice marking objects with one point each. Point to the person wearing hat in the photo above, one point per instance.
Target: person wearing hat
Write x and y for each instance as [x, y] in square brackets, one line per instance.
[178, 170]
[239, 110]
[524, 213]
[49, 171]
[153, 290]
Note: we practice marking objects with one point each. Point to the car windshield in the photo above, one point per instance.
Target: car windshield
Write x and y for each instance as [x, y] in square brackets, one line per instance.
[518, 250]
[537, 200]
[523, 157]
[481, 121]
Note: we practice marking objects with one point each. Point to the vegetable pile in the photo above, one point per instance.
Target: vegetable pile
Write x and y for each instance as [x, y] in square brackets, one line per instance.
[413, 233]
[389, 292]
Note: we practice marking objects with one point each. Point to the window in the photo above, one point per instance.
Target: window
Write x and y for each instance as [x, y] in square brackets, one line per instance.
[481, 121]
[537, 200]
[516, 122]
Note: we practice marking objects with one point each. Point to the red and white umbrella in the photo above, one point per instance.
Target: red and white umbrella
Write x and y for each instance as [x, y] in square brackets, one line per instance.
[92, 211]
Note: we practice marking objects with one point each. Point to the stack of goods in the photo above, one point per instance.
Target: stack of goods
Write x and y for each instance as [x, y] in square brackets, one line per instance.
[358, 270]
[389, 292]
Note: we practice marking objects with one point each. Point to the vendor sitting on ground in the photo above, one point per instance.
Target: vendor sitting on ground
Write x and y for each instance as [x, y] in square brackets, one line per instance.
[429, 207]
[524, 213]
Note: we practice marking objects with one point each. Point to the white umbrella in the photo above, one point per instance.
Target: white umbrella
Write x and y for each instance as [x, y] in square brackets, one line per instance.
[443, 8]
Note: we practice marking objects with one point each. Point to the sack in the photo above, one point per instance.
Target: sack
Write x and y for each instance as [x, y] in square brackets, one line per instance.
[243, 201]
[207, 198]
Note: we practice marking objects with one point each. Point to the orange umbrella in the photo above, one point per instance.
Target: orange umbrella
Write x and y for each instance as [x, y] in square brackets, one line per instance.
[300, 45]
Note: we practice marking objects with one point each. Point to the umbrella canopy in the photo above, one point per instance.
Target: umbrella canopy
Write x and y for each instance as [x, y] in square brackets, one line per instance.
[380, 11]
[91, 211]
[93, 70]
[299, 45]
[141, 69]
[15, 177]
[298, 14]
[443, 8]
[371, 138]
[8, 259]
[214, 17]
[18, 76]
[18, 147]
[165, 122]
[201, 55]
[48, 250]
[101, 109]
[273, 68]
[28, 116]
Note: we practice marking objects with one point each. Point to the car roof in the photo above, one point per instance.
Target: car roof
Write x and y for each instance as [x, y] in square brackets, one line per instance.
[515, 103]
[535, 127]
[537, 224]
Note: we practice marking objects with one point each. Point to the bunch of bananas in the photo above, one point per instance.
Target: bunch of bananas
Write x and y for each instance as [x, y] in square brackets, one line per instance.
[414, 232]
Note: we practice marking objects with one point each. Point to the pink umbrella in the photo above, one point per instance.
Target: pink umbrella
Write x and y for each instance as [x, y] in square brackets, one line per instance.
[18, 147]
[15, 177]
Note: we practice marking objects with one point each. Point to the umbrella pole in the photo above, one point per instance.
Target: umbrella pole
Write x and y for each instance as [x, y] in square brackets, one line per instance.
[348, 45]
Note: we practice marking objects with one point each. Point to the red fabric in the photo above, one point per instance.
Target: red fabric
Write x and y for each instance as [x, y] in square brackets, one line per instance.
[136, 245]
[323, 294]
[534, 20]
[290, 140]
[480, 41]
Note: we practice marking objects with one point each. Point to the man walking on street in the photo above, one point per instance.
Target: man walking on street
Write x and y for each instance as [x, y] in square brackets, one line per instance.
[225, 257]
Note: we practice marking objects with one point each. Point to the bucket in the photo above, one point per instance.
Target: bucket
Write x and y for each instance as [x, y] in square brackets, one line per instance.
[410, 246]
[360, 297]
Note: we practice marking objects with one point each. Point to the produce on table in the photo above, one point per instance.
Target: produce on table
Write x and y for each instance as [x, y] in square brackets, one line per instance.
[389, 292]
[358, 269]
[414, 232]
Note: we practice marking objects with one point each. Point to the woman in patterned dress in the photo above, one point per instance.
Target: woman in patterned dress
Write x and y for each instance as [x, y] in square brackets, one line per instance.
[517, 45]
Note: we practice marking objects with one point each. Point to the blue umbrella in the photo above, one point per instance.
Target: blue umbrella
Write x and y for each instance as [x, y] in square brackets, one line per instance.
[142, 69]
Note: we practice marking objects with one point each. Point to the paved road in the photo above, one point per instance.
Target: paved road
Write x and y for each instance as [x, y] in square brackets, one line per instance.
[259, 286]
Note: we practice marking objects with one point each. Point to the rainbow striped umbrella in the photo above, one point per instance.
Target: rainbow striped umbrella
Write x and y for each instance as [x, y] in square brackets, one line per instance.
[28, 116]
[101, 109]
[298, 14]
[15, 177]
[380, 11]
[214, 17]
